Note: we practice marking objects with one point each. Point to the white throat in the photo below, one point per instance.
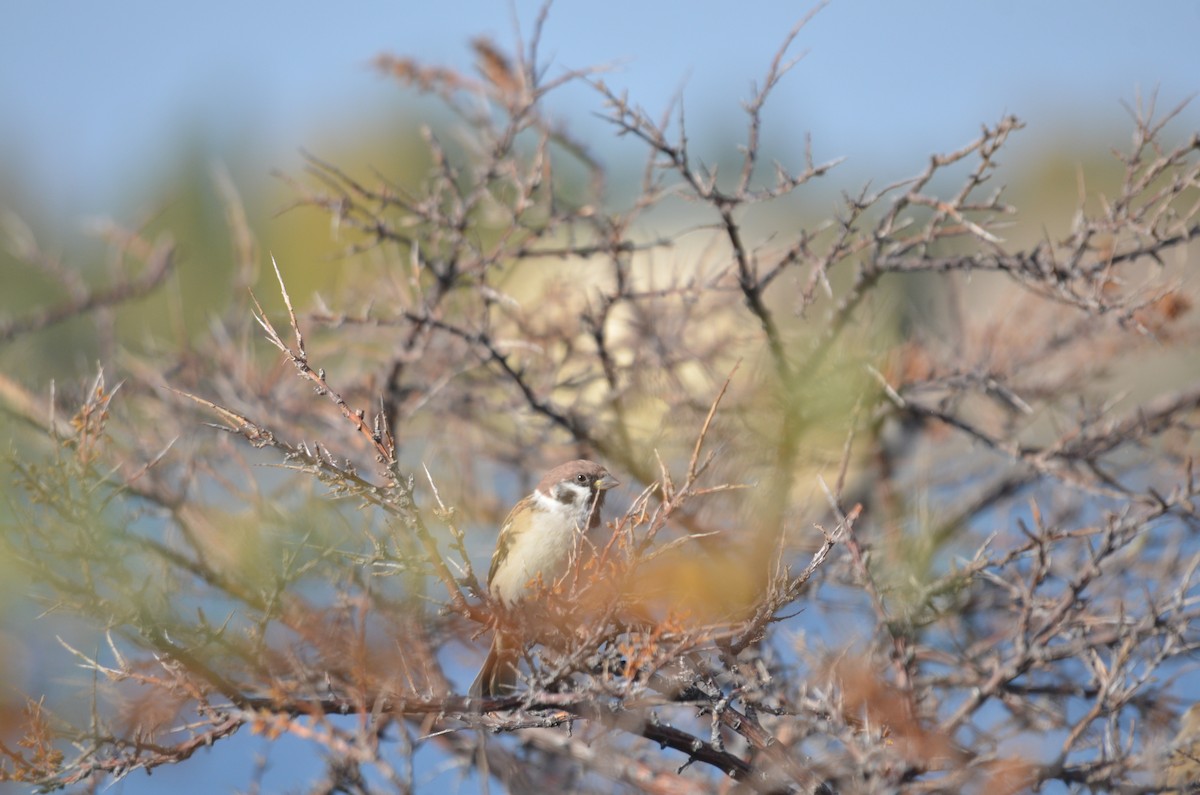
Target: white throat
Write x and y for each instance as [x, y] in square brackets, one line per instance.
[569, 501]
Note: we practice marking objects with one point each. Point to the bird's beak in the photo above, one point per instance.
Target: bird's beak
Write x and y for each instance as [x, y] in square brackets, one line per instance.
[607, 482]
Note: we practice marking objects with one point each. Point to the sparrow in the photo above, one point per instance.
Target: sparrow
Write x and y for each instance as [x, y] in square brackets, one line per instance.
[538, 544]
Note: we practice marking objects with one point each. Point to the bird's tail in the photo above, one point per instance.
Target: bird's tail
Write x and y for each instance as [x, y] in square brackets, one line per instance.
[498, 676]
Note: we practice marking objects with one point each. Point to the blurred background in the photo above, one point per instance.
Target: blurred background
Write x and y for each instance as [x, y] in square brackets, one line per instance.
[129, 110]
[104, 107]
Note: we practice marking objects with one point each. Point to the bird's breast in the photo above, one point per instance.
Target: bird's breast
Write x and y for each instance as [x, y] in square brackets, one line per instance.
[546, 548]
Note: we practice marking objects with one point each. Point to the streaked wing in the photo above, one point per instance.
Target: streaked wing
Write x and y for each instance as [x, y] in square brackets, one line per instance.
[507, 536]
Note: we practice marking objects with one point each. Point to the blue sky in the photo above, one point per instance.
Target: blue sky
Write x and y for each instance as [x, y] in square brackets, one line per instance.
[94, 97]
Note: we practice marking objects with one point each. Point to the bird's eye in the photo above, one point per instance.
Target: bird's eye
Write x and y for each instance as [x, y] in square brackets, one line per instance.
[581, 478]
